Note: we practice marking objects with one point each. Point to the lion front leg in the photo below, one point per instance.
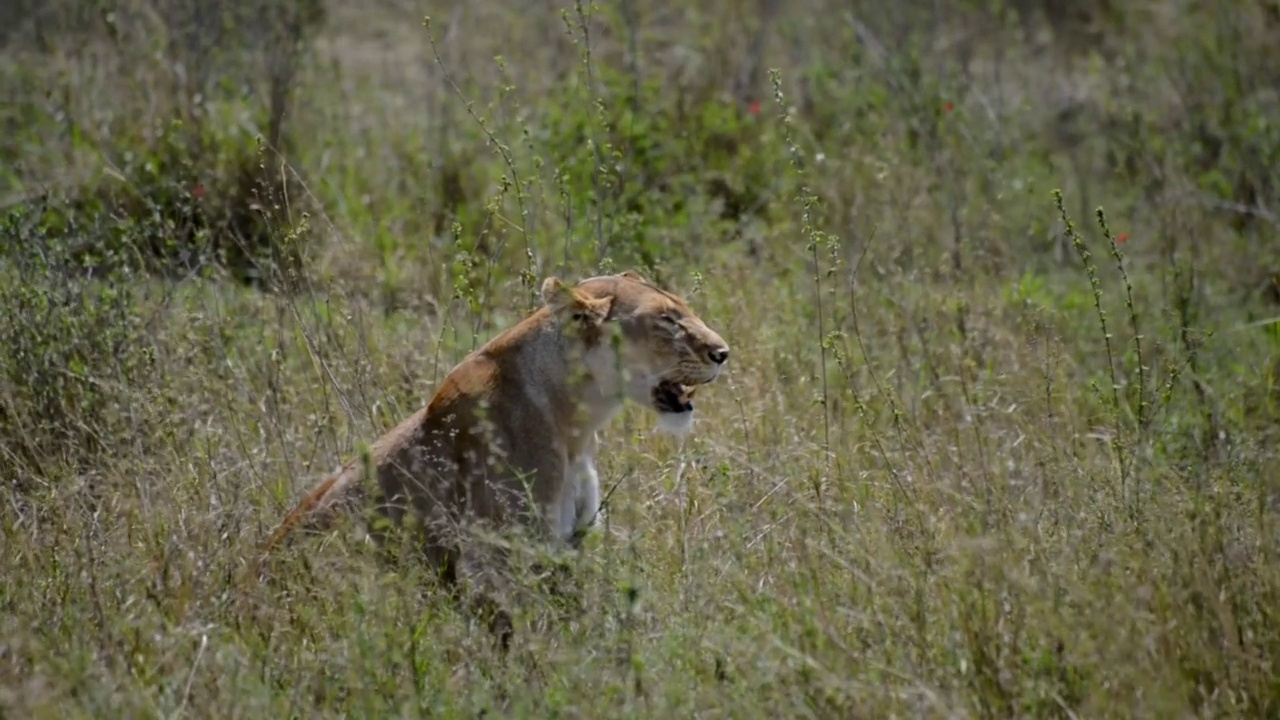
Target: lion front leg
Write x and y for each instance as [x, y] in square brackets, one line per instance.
[587, 512]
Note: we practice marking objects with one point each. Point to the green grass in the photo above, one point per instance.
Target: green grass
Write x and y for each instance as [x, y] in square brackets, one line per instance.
[984, 449]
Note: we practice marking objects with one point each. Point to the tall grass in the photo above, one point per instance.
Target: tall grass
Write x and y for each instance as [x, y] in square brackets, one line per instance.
[998, 437]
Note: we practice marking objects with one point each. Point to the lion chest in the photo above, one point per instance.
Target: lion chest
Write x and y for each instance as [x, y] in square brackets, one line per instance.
[579, 503]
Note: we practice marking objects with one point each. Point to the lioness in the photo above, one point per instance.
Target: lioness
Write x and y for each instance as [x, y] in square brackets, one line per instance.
[510, 436]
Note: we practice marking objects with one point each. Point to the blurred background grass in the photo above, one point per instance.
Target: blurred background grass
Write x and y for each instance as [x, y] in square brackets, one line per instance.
[979, 455]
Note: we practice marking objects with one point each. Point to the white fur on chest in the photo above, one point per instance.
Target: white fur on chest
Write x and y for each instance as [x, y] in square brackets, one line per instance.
[579, 503]
[578, 506]
[586, 492]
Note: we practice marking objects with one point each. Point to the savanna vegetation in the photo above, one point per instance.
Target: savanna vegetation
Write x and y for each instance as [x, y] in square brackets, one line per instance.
[1001, 279]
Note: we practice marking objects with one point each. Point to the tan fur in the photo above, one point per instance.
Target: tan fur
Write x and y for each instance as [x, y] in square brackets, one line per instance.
[510, 437]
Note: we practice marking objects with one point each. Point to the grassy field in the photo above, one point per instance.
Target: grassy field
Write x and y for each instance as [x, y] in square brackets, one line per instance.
[1001, 280]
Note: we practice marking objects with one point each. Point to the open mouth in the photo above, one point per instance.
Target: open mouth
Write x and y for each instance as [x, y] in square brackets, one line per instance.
[673, 397]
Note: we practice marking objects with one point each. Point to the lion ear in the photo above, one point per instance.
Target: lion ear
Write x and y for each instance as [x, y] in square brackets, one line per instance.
[564, 300]
[592, 312]
[633, 275]
[555, 293]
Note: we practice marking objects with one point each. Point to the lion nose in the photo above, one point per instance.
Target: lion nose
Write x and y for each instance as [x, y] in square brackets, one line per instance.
[719, 355]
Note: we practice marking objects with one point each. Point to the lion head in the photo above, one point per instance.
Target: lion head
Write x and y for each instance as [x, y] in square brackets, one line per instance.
[647, 343]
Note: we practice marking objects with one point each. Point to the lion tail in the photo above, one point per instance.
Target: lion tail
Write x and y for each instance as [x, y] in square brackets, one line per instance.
[316, 511]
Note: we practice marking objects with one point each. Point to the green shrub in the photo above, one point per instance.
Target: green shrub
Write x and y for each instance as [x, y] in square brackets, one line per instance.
[78, 364]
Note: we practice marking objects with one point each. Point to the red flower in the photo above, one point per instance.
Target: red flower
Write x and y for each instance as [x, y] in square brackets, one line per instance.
[198, 191]
[1122, 237]
[754, 107]
[948, 106]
